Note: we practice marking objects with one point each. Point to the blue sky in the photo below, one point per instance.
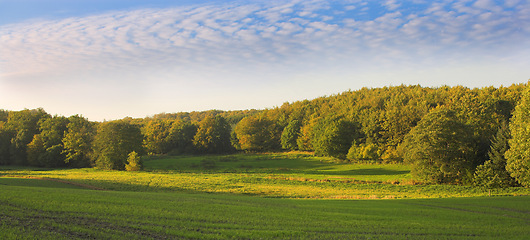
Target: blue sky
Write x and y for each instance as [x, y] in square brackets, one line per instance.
[109, 59]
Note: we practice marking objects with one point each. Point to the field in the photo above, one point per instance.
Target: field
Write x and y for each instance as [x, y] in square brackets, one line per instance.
[282, 196]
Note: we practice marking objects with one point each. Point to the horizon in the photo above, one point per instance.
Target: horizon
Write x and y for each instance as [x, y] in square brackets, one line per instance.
[113, 59]
[248, 109]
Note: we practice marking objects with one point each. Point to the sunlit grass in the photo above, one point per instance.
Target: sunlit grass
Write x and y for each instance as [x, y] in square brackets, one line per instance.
[35, 211]
[267, 175]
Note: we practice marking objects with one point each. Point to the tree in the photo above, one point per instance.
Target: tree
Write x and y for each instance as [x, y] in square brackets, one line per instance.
[441, 148]
[518, 156]
[363, 151]
[134, 162]
[5, 144]
[333, 137]
[180, 139]
[493, 173]
[290, 135]
[258, 133]
[24, 125]
[213, 136]
[113, 143]
[78, 141]
[46, 148]
[156, 134]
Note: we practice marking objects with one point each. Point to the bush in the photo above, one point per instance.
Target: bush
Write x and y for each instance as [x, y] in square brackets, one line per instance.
[134, 162]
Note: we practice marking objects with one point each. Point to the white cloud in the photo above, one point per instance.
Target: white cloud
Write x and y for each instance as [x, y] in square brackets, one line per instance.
[268, 41]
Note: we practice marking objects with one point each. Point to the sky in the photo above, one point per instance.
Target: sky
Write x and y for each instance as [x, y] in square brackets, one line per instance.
[110, 59]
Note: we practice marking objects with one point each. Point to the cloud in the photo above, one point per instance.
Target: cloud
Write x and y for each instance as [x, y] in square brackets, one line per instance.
[260, 41]
[209, 35]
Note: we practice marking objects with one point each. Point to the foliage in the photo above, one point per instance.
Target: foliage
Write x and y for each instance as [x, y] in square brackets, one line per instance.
[24, 125]
[180, 139]
[493, 173]
[134, 162]
[363, 151]
[333, 137]
[46, 148]
[518, 156]
[441, 148]
[156, 138]
[486, 176]
[113, 143]
[258, 133]
[78, 141]
[213, 136]
[290, 135]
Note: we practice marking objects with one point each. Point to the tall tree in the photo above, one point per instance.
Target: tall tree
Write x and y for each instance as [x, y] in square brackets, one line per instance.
[290, 135]
[78, 141]
[213, 136]
[5, 144]
[24, 125]
[258, 133]
[333, 137]
[156, 134]
[114, 142]
[518, 156]
[441, 148]
[52, 131]
[180, 139]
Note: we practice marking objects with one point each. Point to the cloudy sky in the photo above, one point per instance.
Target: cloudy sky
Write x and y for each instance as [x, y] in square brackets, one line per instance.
[108, 59]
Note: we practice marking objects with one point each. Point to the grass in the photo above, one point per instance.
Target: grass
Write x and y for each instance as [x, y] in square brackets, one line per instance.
[242, 196]
[292, 175]
[37, 212]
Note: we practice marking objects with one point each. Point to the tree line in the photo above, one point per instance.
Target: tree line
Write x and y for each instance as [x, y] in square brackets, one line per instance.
[448, 134]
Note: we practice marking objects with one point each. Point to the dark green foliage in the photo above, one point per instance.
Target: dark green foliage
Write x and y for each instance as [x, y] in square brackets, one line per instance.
[290, 135]
[24, 125]
[258, 133]
[441, 148]
[46, 148]
[5, 144]
[114, 142]
[78, 141]
[213, 136]
[493, 173]
[180, 139]
[518, 156]
[333, 137]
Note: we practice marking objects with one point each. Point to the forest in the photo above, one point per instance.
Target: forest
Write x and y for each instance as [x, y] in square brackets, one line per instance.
[449, 135]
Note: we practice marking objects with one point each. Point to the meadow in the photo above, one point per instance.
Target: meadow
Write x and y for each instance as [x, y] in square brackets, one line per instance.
[241, 196]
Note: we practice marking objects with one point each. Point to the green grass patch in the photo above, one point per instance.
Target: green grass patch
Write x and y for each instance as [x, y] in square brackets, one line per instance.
[33, 212]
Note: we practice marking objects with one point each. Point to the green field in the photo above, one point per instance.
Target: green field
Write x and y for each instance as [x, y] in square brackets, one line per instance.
[282, 196]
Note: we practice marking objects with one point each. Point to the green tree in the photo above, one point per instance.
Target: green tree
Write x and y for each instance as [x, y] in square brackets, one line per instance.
[333, 137]
[180, 139]
[441, 148]
[258, 133]
[24, 125]
[113, 143]
[290, 135]
[493, 172]
[5, 144]
[156, 134]
[78, 141]
[518, 156]
[46, 149]
[213, 136]
[363, 151]
[134, 162]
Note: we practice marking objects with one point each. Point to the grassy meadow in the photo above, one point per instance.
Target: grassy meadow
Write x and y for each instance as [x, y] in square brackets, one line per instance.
[282, 196]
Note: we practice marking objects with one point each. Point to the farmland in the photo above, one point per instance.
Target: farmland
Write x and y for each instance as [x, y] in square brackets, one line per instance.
[288, 195]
